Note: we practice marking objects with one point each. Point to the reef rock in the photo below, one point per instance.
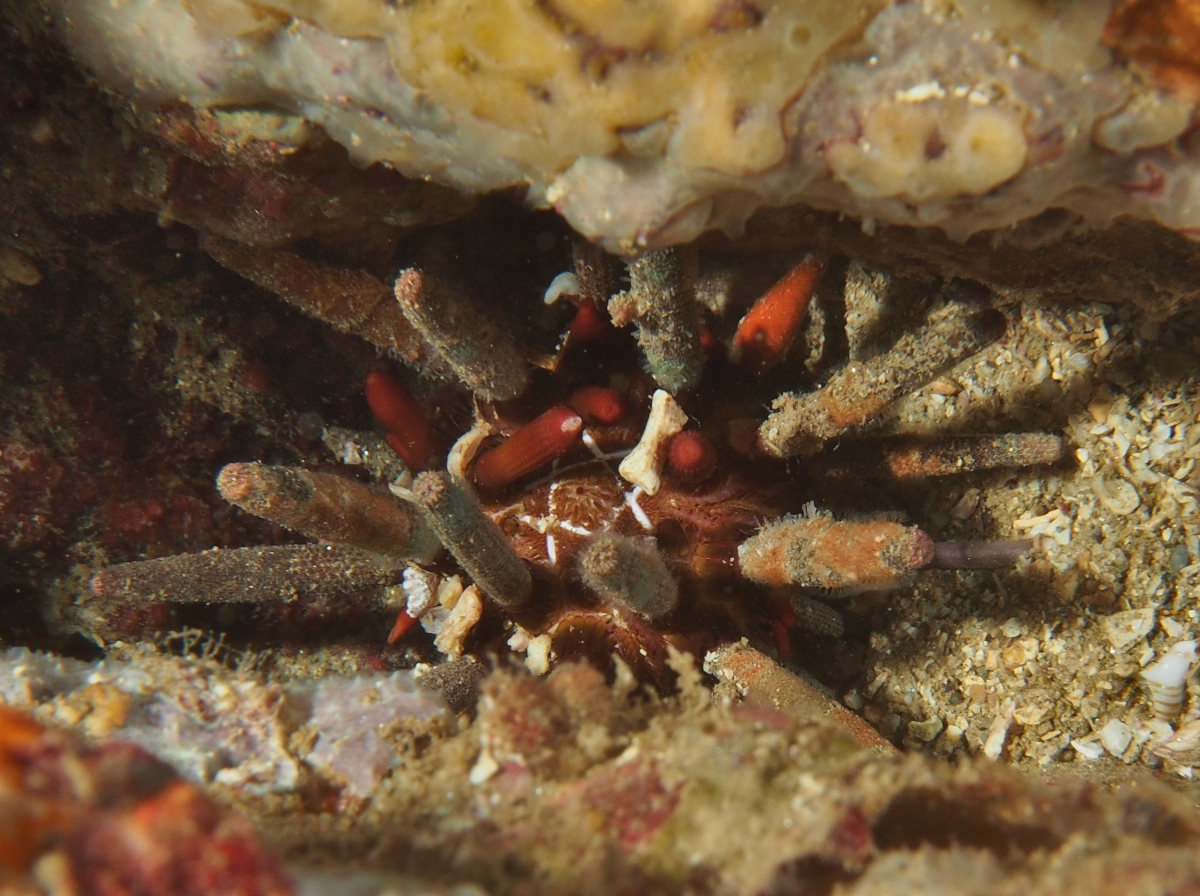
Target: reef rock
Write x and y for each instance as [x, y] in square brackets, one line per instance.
[647, 124]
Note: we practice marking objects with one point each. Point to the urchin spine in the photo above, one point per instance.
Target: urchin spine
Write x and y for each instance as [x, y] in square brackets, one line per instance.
[817, 551]
[481, 354]
[628, 571]
[801, 424]
[328, 507]
[661, 303]
[474, 539]
[245, 575]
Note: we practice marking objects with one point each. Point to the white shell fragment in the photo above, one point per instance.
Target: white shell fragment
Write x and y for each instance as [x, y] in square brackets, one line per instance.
[467, 611]
[1117, 495]
[420, 587]
[1088, 749]
[993, 746]
[465, 449]
[643, 466]
[538, 655]
[565, 284]
[1166, 680]
[1116, 737]
[1126, 628]
[1184, 747]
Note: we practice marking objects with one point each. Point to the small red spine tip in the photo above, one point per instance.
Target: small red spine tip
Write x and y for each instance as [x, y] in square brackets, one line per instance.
[783, 619]
[692, 456]
[409, 432]
[710, 345]
[596, 404]
[531, 447]
[783, 643]
[403, 626]
[588, 323]
[768, 329]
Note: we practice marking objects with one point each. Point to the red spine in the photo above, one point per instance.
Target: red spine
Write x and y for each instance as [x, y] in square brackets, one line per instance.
[409, 432]
[529, 448]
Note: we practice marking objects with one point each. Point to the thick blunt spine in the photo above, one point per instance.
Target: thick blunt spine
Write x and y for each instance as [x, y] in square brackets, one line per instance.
[860, 391]
[767, 331]
[625, 570]
[474, 539]
[481, 354]
[410, 434]
[922, 458]
[537, 443]
[947, 457]
[350, 301]
[328, 507]
[752, 677]
[661, 303]
[821, 552]
[245, 575]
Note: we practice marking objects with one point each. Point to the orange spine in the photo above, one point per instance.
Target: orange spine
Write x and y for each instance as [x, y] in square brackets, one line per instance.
[769, 328]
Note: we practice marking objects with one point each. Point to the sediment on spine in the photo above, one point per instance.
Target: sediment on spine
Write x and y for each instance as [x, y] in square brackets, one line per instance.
[746, 675]
[661, 303]
[625, 570]
[474, 539]
[964, 455]
[860, 391]
[595, 270]
[246, 575]
[365, 450]
[481, 354]
[350, 301]
[328, 507]
[821, 552]
[918, 458]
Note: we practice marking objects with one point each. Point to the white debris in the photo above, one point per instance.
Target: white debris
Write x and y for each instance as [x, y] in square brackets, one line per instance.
[1183, 747]
[643, 466]
[483, 769]
[565, 284]
[1125, 629]
[420, 587]
[465, 449]
[1116, 737]
[538, 655]
[1088, 749]
[993, 746]
[466, 612]
[1055, 525]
